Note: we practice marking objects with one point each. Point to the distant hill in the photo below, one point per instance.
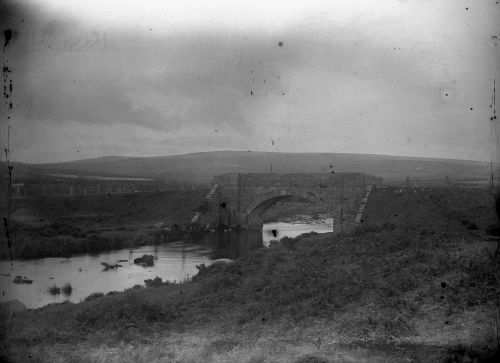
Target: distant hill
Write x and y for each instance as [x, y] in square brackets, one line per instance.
[201, 167]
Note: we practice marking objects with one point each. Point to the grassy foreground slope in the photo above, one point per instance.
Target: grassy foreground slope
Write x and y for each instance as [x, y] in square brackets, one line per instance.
[418, 282]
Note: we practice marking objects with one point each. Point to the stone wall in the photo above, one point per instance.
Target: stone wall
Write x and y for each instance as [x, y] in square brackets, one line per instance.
[241, 198]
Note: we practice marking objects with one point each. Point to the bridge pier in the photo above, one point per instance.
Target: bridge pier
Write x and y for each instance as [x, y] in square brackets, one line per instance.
[254, 221]
[338, 222]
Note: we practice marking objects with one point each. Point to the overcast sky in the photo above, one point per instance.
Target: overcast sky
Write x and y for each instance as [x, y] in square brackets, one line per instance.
[143, 78]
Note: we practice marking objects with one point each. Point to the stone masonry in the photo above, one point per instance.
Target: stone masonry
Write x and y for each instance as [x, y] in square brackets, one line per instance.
[238, 200]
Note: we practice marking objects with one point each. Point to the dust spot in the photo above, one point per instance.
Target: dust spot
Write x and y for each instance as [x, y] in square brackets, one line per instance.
[280, 44]
[7, 34]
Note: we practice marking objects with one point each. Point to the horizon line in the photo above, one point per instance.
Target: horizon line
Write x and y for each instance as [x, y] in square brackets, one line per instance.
[248, 151]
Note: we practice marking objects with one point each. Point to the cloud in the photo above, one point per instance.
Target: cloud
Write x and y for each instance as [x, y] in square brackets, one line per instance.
[190, 81]
[359, 83]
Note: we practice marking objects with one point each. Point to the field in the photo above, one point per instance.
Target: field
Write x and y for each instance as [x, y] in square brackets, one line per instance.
[62, 226]
[417, 282]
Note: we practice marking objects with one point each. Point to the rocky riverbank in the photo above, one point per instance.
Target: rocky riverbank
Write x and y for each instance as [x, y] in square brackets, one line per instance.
[319, 219]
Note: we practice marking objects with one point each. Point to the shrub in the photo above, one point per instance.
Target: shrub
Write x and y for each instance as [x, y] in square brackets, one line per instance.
[67, 289]
[156, 282]
[288, 242]
[93, 296]
[135, 287]
[54, 290]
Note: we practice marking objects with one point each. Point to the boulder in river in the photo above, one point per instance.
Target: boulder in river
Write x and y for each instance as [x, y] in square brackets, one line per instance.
[145, 260]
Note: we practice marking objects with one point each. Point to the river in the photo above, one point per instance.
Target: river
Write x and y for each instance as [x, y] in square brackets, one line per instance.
[174, 261]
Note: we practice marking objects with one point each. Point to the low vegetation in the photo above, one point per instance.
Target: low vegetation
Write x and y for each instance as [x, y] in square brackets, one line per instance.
[54, 290]
[108, 266]
[93, 296]
[67, 289]
[156, 282]
[65, 226]
[415, 285]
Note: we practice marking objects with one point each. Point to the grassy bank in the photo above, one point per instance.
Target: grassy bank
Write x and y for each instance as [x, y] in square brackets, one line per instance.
[63, 226]
[419, 284]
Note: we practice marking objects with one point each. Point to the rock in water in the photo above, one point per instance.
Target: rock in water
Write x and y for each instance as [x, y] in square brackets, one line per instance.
[22, 280]
[145, 260]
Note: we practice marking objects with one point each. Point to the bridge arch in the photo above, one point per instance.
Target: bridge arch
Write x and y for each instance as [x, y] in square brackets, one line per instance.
[256, 209]
[241, 199]
[264, 201]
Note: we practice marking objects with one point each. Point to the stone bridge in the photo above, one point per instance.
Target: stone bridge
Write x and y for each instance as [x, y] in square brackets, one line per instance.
[240, 199]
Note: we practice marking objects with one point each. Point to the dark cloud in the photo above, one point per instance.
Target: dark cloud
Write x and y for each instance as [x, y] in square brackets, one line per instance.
[221, 79]
[205, 80]
[12, 14]
[89, 100]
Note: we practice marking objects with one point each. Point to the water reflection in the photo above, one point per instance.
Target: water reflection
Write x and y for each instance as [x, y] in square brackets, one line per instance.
[173, 261]
[234, 244]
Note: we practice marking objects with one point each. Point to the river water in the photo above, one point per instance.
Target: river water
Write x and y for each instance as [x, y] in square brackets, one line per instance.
[174, 261]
